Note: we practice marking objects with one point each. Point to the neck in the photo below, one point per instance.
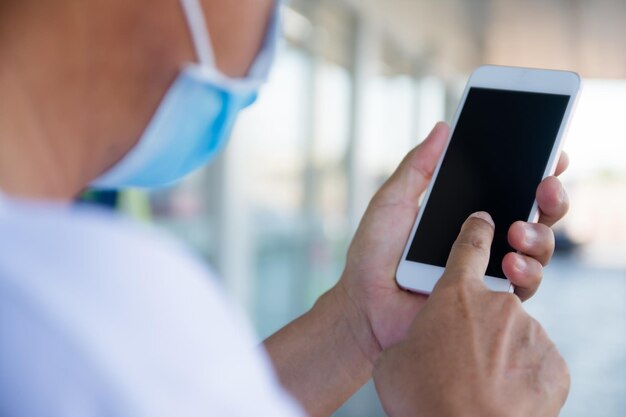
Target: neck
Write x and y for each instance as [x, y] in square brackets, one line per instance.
[40, 157]
[80, 81]
[31, 163]
[30, 166]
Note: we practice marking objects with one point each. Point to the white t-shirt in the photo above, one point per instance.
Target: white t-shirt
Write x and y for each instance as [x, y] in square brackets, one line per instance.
[99, 317]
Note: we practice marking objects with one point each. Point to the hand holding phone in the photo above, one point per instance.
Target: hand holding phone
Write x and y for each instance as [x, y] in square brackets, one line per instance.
[372, 261]
[471, 352]
[506, 138]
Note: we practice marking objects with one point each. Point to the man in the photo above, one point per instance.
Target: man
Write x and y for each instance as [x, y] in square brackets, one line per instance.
[98, 317]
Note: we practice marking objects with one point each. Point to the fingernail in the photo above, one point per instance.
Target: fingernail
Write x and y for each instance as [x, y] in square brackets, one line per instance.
[484, 216]
[520, 264]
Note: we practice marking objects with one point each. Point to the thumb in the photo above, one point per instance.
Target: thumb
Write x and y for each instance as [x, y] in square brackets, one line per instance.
[411, 178]
[470, 253]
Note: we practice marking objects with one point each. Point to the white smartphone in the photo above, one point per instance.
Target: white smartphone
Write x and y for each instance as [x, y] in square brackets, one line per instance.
[505, 139]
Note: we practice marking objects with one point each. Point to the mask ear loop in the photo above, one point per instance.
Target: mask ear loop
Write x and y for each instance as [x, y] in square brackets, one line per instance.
[199, 32]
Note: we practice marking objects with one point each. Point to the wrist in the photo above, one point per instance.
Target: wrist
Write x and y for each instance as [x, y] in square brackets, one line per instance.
[323, 357]
[351, 323]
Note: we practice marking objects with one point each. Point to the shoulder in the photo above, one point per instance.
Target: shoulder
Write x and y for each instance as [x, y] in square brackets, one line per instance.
[81, 241]
[84, 259]
[57, 227]
[90, 260]
[111, 305]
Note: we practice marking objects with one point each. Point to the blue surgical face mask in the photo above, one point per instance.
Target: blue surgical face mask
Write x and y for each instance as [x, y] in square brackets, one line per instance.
[192, 123]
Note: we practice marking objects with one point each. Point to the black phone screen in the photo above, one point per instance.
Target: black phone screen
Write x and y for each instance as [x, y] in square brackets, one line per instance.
[496, 158]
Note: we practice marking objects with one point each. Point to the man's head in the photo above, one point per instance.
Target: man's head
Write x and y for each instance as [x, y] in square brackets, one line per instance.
[81, 79]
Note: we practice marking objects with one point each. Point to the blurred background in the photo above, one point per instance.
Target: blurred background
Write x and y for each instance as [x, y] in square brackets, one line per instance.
[356, 85]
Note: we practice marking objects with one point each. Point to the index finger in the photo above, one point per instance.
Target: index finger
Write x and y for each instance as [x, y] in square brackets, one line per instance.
[469, 256]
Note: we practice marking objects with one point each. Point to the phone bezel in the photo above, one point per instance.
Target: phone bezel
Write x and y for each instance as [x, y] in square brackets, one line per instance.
[420, 277]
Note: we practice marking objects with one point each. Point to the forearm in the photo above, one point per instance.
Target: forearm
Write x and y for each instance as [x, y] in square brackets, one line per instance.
[323, 357]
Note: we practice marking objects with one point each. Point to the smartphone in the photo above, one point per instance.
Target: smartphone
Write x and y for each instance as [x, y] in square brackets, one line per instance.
[505, 139]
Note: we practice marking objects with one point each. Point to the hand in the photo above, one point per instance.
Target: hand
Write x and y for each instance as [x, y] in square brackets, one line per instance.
[368, 280]
[470, 351]
[328, 353]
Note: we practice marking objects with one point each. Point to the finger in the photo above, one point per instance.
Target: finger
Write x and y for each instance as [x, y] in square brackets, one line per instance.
[470, 253]
[411, 178]
[552, 200]
[536, 240]
[524, 272]
[563, 163]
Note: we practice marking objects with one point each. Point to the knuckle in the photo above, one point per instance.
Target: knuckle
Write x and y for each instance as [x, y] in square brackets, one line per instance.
[544, 231]
[465, 293]
[535, 272]
[562, 367]
[547, 236]
[508, 308]
[539, 332]
[463, 300]
[566, 375]
[508, 303]
[461, 294]
[472, 244]
[477, 242]
[458, 286]
[535, 281]
[466, 277]
[464, 273]
[561, 373]
[525, 294]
